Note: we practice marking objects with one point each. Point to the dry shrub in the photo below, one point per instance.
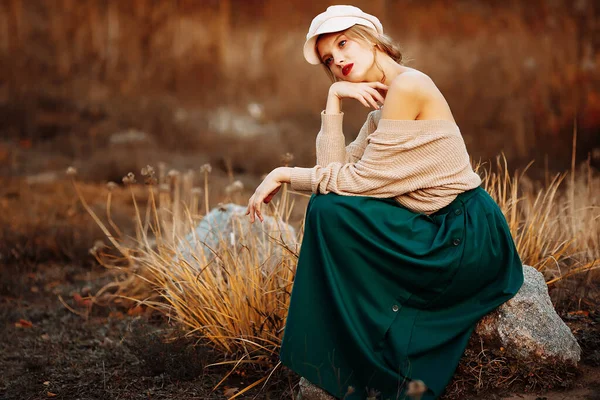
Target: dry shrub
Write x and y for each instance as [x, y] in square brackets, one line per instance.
[556, 230]
[233, 301]
[239, 305]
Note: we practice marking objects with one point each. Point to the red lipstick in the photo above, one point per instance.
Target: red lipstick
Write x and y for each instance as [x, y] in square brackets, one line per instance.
[347, 68]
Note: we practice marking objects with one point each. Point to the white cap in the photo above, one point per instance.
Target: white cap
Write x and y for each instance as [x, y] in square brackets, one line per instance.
[335, 19]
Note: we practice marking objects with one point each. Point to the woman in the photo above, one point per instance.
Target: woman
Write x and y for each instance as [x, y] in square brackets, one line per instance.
[403, 251]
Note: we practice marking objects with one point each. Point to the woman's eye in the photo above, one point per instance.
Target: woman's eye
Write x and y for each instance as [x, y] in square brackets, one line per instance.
[328, 61]
[342, 43]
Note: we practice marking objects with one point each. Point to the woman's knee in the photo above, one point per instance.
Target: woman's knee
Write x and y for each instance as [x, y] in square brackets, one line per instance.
[324, 205]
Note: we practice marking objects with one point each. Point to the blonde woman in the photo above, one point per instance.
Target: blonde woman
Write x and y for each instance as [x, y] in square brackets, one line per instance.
[403, 251]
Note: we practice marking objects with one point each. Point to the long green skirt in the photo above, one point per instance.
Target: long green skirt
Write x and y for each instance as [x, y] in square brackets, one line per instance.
[384, 295]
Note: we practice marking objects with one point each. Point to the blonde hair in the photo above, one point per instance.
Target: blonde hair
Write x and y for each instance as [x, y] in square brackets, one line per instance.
[380, 42]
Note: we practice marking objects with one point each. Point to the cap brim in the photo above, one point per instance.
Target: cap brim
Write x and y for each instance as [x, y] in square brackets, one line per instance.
[332, 25]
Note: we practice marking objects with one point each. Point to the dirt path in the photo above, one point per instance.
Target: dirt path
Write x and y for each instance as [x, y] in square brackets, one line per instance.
[48, 351]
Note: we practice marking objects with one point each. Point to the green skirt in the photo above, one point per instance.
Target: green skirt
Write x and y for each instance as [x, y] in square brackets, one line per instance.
[383, 295]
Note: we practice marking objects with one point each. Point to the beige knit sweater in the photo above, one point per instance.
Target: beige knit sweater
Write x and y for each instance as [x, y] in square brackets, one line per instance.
[422, 164]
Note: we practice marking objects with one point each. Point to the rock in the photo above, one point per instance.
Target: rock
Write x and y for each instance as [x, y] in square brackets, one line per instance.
[256, 111]
[130, 136]
[528, 327]
[308, 391]
[230, 225]
[229, 121]
[42, 178]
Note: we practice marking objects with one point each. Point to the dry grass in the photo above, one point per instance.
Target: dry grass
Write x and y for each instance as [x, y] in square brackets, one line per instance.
[239, 305]
[42, 221]
[555, 225]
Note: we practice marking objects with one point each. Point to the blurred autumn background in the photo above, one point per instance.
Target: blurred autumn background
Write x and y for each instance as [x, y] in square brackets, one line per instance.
[110, 86]
[209, 79]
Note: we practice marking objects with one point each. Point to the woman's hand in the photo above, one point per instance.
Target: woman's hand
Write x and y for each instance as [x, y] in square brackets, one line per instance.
[265, 192]
[365, 92]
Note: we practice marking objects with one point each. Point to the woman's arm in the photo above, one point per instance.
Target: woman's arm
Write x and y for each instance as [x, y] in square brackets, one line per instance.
[392, 160]
[330, 142]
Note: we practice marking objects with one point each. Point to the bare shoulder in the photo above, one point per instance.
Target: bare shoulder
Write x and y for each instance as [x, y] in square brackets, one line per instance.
[407, 95]
[413, 82]
[414, 95]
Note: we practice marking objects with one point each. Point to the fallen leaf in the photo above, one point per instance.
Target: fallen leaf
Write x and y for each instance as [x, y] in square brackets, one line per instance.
[116, 315]
[47, 383]
[81, 301]
[23, 324]
[135, 311]
[580, 312]
[228, 392]
[50, 394]
[45, 336]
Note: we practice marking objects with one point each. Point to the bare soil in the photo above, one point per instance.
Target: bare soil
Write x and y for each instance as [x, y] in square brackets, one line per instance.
[107, 353]
[49, 351]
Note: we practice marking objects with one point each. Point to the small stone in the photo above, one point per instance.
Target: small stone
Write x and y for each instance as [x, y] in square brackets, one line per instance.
[308, 391]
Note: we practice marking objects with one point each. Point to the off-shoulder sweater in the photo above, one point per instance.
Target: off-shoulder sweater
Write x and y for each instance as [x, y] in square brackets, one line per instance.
[422, 164]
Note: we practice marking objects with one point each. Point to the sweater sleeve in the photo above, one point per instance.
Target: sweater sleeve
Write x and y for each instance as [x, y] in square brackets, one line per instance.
[331, 143]
[394, 162]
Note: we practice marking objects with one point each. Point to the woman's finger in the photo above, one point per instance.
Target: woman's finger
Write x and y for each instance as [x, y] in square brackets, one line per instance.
[378, 85]
[249, 204]
[251, 209]
[376, 95]
[374, 98]
[257, 210]
[369, 98]
[362, 100]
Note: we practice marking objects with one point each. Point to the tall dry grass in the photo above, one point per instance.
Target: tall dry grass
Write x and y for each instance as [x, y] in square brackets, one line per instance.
[555, 224]
[239, 305]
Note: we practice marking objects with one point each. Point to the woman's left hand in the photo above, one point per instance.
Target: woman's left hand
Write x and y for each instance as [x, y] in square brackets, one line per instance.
[264, 193]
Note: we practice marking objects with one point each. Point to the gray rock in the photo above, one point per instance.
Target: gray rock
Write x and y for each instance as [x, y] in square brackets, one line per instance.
[42, 178]
[229, 226]
[308, 391]
[528, 327]
[129, 136]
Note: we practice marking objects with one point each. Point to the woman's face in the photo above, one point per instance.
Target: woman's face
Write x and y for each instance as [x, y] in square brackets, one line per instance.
[348, 59]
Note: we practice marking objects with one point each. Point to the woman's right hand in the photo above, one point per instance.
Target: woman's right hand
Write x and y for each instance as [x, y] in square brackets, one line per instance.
[365, 92]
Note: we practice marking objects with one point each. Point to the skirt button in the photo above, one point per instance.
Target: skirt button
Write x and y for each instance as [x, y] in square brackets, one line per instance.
[458, 211]
[395, 308]
[456, 242]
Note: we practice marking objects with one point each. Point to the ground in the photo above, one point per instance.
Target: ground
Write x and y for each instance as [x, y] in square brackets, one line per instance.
[54, 345]
[50, 351]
